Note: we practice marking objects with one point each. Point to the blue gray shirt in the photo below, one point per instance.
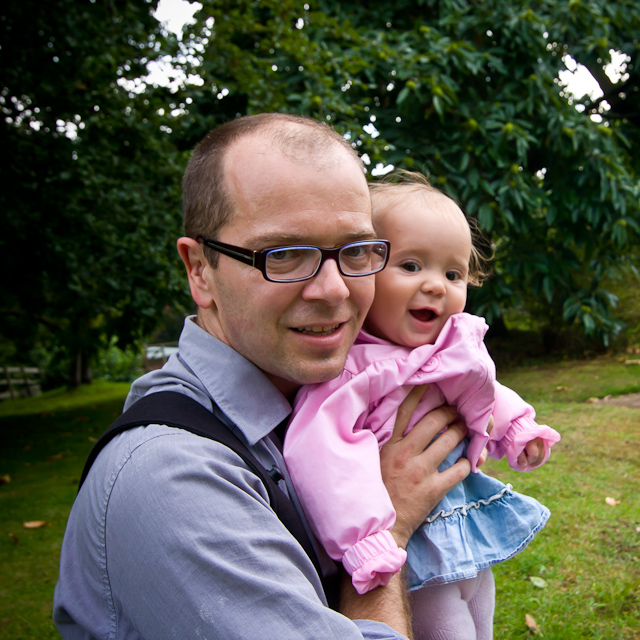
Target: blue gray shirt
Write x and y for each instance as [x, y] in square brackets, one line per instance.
[172, 536]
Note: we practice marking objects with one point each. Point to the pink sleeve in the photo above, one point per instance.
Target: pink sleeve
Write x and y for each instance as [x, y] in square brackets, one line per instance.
[514, 426]
[335, 467]
[468, 375]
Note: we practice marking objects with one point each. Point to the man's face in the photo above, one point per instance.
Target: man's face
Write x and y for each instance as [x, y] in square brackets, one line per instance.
[297, 333]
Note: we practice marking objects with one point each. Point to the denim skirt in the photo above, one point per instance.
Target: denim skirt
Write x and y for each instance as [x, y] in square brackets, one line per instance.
[479, 523]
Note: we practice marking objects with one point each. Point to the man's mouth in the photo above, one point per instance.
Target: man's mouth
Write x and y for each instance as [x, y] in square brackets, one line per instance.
[423, 315]
[318, 331]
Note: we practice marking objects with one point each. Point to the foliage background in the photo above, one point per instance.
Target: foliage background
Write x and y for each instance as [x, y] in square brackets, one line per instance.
[467, 92]
[90, 197]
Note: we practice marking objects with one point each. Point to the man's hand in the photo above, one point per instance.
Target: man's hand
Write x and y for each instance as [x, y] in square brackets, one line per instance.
[410, 464]
[533, 453]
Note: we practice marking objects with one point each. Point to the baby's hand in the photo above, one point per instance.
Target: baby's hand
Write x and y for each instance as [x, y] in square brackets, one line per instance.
[533, 453]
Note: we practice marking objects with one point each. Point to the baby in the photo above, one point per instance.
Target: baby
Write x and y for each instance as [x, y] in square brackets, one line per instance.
[416, 333]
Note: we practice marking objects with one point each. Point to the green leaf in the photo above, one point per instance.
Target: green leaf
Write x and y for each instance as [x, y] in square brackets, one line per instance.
[485, 217]
[402, 95]
[538, 582]
[438, 105]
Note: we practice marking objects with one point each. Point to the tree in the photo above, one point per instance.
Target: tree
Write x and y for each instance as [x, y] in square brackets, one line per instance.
[468, 93]
[90, 202]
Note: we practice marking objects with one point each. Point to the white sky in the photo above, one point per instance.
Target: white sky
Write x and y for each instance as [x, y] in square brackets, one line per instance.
[175, 13]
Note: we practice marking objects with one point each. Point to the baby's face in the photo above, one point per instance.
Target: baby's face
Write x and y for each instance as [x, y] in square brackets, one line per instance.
[425, 281]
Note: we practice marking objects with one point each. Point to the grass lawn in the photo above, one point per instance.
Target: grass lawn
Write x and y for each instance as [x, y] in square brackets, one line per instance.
[588, 555]
[585, 564]
[43, 444]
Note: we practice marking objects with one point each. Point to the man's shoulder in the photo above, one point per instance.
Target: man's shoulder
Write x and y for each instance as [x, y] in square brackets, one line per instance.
[156, 442]
[148, 460]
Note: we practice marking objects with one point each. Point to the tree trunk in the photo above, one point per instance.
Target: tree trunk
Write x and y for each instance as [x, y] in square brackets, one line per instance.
[79, 371]
[86, 375]
[75, 367]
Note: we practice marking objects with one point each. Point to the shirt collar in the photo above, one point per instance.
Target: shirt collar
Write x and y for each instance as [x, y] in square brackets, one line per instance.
[208, 367]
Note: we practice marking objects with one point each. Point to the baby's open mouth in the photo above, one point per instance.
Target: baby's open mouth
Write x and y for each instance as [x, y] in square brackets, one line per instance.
[424, 315]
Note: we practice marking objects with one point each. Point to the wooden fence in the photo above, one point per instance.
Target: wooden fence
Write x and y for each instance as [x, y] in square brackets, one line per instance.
[155, 355]
[20, 382]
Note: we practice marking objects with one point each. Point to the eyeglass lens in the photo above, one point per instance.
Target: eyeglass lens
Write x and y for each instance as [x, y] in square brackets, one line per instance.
[291, 263]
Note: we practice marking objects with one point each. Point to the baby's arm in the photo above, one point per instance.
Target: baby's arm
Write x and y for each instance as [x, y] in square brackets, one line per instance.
[335, 468]
[516, 434]
[465, 376]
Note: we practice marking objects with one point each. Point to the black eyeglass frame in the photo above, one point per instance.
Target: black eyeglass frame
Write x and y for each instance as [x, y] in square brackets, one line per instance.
[258, 259]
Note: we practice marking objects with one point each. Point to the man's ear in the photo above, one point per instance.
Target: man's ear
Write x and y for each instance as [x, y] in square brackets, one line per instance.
[192, 255]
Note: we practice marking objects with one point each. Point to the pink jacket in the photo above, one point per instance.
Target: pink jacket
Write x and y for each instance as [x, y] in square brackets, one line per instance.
[338, 427]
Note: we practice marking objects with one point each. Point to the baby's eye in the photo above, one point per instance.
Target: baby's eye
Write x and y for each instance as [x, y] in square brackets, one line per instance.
[453, 276]
[411, 267]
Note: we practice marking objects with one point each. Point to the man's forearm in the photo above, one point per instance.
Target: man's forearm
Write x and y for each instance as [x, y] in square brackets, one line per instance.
[389, 604]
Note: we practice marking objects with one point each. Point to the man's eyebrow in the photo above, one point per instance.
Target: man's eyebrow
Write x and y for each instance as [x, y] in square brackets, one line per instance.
[283, 239]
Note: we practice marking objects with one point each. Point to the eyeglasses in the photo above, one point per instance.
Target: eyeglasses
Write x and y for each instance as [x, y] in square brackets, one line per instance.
[301, 262]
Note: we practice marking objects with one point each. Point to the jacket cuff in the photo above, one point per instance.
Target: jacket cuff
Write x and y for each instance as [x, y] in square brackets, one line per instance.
[548, 436]
[373, 561]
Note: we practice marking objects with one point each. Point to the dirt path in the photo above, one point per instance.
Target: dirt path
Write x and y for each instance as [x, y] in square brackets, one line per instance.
[629, 400]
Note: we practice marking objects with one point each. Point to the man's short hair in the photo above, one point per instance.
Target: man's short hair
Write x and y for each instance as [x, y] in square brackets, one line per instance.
[207, 203]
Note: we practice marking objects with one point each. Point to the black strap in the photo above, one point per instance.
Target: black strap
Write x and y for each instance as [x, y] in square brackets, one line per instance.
[180, 411]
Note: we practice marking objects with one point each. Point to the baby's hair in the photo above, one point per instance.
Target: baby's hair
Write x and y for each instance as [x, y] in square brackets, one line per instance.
[400, 182]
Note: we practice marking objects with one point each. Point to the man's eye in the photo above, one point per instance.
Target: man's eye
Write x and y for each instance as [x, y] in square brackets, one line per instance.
[357, 251]
[283, 254]
[411, 267]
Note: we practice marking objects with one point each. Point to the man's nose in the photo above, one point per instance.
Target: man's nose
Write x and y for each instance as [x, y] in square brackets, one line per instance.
[328, 285]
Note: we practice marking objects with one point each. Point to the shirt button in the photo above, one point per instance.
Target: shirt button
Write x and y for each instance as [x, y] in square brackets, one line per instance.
[431, 364]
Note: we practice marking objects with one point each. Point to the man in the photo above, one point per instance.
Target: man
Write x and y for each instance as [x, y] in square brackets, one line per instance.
[172, 536]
